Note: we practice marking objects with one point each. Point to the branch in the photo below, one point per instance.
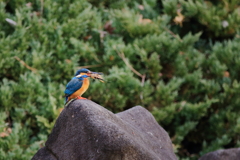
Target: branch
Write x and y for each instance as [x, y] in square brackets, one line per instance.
[24, 64]
[126, 62]
[42, 4]
[121, 54]
[173, 34]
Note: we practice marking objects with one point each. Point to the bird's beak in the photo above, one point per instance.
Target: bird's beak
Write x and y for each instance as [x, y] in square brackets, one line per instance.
[94, 73]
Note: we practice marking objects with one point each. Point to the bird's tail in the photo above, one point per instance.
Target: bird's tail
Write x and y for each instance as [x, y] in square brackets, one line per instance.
[66, 99]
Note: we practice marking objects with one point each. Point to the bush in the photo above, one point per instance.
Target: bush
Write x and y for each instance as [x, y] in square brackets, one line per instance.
[179, 59]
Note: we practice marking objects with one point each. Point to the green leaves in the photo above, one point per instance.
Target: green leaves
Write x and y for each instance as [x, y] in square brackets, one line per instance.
[133, 24]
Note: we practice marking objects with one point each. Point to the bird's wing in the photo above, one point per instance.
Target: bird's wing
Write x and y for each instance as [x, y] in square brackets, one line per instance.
[73, 86]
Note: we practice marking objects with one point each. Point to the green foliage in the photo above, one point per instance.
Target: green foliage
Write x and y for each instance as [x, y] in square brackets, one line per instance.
[179, 59]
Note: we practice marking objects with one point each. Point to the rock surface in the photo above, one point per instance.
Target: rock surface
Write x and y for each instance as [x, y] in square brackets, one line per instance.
[44, 154]
[87, 131]
[222, 154]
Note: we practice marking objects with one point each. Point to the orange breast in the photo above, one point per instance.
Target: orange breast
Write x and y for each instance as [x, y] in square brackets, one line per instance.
[83, 89]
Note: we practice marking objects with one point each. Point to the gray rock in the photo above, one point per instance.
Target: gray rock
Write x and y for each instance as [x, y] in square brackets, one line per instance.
[43, 154]
[87, 131]
[222, 154]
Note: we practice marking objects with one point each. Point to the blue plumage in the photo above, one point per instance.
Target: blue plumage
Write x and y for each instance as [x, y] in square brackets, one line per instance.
[75, 84]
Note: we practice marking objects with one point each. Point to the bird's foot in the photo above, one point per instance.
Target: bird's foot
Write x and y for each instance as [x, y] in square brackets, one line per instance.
[79, 97]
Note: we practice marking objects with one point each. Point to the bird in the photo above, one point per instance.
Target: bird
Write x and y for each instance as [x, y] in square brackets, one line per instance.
[80, 83]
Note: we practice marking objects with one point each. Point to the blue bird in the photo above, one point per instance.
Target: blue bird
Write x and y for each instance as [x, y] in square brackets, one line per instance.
[80, 83]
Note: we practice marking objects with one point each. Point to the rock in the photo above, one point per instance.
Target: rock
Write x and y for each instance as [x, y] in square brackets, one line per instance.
[222, 154]
[85, 130]
[44, 154]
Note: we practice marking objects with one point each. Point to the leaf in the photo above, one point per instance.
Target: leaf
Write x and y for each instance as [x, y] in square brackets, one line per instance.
[179, 18]
[144, 21]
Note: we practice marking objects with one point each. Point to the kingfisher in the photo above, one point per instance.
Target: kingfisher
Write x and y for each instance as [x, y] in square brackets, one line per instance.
[80, 83]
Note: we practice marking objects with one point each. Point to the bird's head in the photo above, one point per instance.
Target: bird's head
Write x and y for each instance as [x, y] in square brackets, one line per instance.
[83, 71]
[88, 73]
